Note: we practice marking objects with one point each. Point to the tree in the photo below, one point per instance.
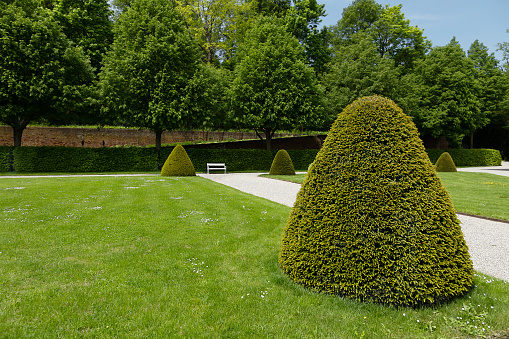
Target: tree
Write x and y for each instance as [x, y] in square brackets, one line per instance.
[396, 39]
[358, 70]
[42, 76]
[302, 20]
[449, 102]
[273, 88]
[276, 8]
[393, 35]
[148, 75]
[359, 16]
[216, 25]
[493, 84]
[504, 48]
[86, 23]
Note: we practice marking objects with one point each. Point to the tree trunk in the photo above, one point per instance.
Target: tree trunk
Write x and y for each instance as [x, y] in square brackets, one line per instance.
[18, 133]
[471, 140]
[158, 140]
[269, 134]
[158, 147]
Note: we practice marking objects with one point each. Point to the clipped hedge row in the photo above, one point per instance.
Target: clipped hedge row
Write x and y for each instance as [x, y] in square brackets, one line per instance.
[75, 159]
[5, 158]
[138, 159]
[468, 157]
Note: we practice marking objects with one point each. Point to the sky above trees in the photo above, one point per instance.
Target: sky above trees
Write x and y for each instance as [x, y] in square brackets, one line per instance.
[441, 20]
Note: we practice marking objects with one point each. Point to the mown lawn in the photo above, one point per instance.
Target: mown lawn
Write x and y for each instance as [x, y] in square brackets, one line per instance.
[152, 257]
[480, 194]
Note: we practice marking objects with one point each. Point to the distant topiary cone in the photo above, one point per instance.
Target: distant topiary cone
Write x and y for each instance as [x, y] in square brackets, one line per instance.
[445, 163]
[178, 164]
[372, 220]
[282, 164]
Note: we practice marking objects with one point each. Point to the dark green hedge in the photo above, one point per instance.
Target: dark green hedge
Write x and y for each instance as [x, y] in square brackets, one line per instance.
[468, 157]
[5, 158]
[74, 159]
[131, 159]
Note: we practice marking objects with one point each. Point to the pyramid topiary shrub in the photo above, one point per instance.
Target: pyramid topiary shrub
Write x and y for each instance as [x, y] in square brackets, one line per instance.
[445, 163]
[372, 220]
[178, 164]
[282, 164]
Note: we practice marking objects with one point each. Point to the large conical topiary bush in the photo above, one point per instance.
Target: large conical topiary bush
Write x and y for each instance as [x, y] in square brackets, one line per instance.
[445, 163]
[372, 220]
[282, 164]
[178, 164]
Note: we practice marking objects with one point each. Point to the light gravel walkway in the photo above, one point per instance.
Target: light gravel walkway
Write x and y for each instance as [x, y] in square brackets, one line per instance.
[499, 170]
[488, 240]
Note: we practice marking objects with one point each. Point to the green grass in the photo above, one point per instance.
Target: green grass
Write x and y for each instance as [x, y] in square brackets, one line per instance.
[152, 257]
[479, 194]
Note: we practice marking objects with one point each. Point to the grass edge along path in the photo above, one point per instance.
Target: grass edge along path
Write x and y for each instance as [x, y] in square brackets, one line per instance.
[148, 256]
[476, 194]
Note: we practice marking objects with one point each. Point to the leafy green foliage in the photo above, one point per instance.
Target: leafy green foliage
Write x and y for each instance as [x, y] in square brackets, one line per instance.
[178, 164]
[273, 88]
[302, 20]
[449, 93]
[217, 25]
[358, 70]
[387, 27]
[282, 164]
[147, 79]
[42, 76]
[372, 220]
[445, 163]
[469, 157]
[87, 24]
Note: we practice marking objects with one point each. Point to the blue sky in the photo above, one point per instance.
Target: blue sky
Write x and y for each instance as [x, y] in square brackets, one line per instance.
[467, 20]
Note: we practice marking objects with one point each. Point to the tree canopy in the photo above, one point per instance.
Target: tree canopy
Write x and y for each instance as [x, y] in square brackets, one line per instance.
[87, 23]
[449, 102]
[273, 88]
[43, 77]
[148, 74]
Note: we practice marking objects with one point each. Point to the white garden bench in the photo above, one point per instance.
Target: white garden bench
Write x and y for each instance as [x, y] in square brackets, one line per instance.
[216, 166]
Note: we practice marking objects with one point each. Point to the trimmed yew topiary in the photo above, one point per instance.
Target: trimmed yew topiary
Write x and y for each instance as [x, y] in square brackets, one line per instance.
[178, 164]
[372, 220]
[445, 163]
[282, 164]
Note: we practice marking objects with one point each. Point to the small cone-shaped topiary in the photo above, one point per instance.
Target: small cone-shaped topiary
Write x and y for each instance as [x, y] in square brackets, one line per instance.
[445, 163]
[372, 220]
[178, 164]
[282, 164]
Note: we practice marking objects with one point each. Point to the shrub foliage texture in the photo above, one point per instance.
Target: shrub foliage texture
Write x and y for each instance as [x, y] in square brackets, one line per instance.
[282, 164]
[178, 164]
[372, 220]
[445, 163]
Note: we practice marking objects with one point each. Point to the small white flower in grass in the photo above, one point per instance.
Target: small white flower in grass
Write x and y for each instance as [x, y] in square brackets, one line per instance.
[404, 314]
[418, 321]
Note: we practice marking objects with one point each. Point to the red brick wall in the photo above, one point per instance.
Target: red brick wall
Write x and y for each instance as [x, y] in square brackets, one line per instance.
[108, 137]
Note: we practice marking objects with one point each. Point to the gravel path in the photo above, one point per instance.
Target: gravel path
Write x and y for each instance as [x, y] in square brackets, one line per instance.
[488, 240]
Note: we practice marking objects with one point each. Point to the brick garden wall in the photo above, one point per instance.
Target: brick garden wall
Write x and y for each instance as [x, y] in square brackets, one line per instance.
[107, 137]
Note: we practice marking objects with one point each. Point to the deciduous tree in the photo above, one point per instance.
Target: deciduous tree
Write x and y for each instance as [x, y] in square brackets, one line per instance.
[216, 25]
[449, 94]
[273, 87]
[42, 76]
[358, 70]
[87, 23]
[150, 73]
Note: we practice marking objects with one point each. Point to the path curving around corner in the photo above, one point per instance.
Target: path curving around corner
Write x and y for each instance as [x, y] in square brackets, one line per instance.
[487, 240]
